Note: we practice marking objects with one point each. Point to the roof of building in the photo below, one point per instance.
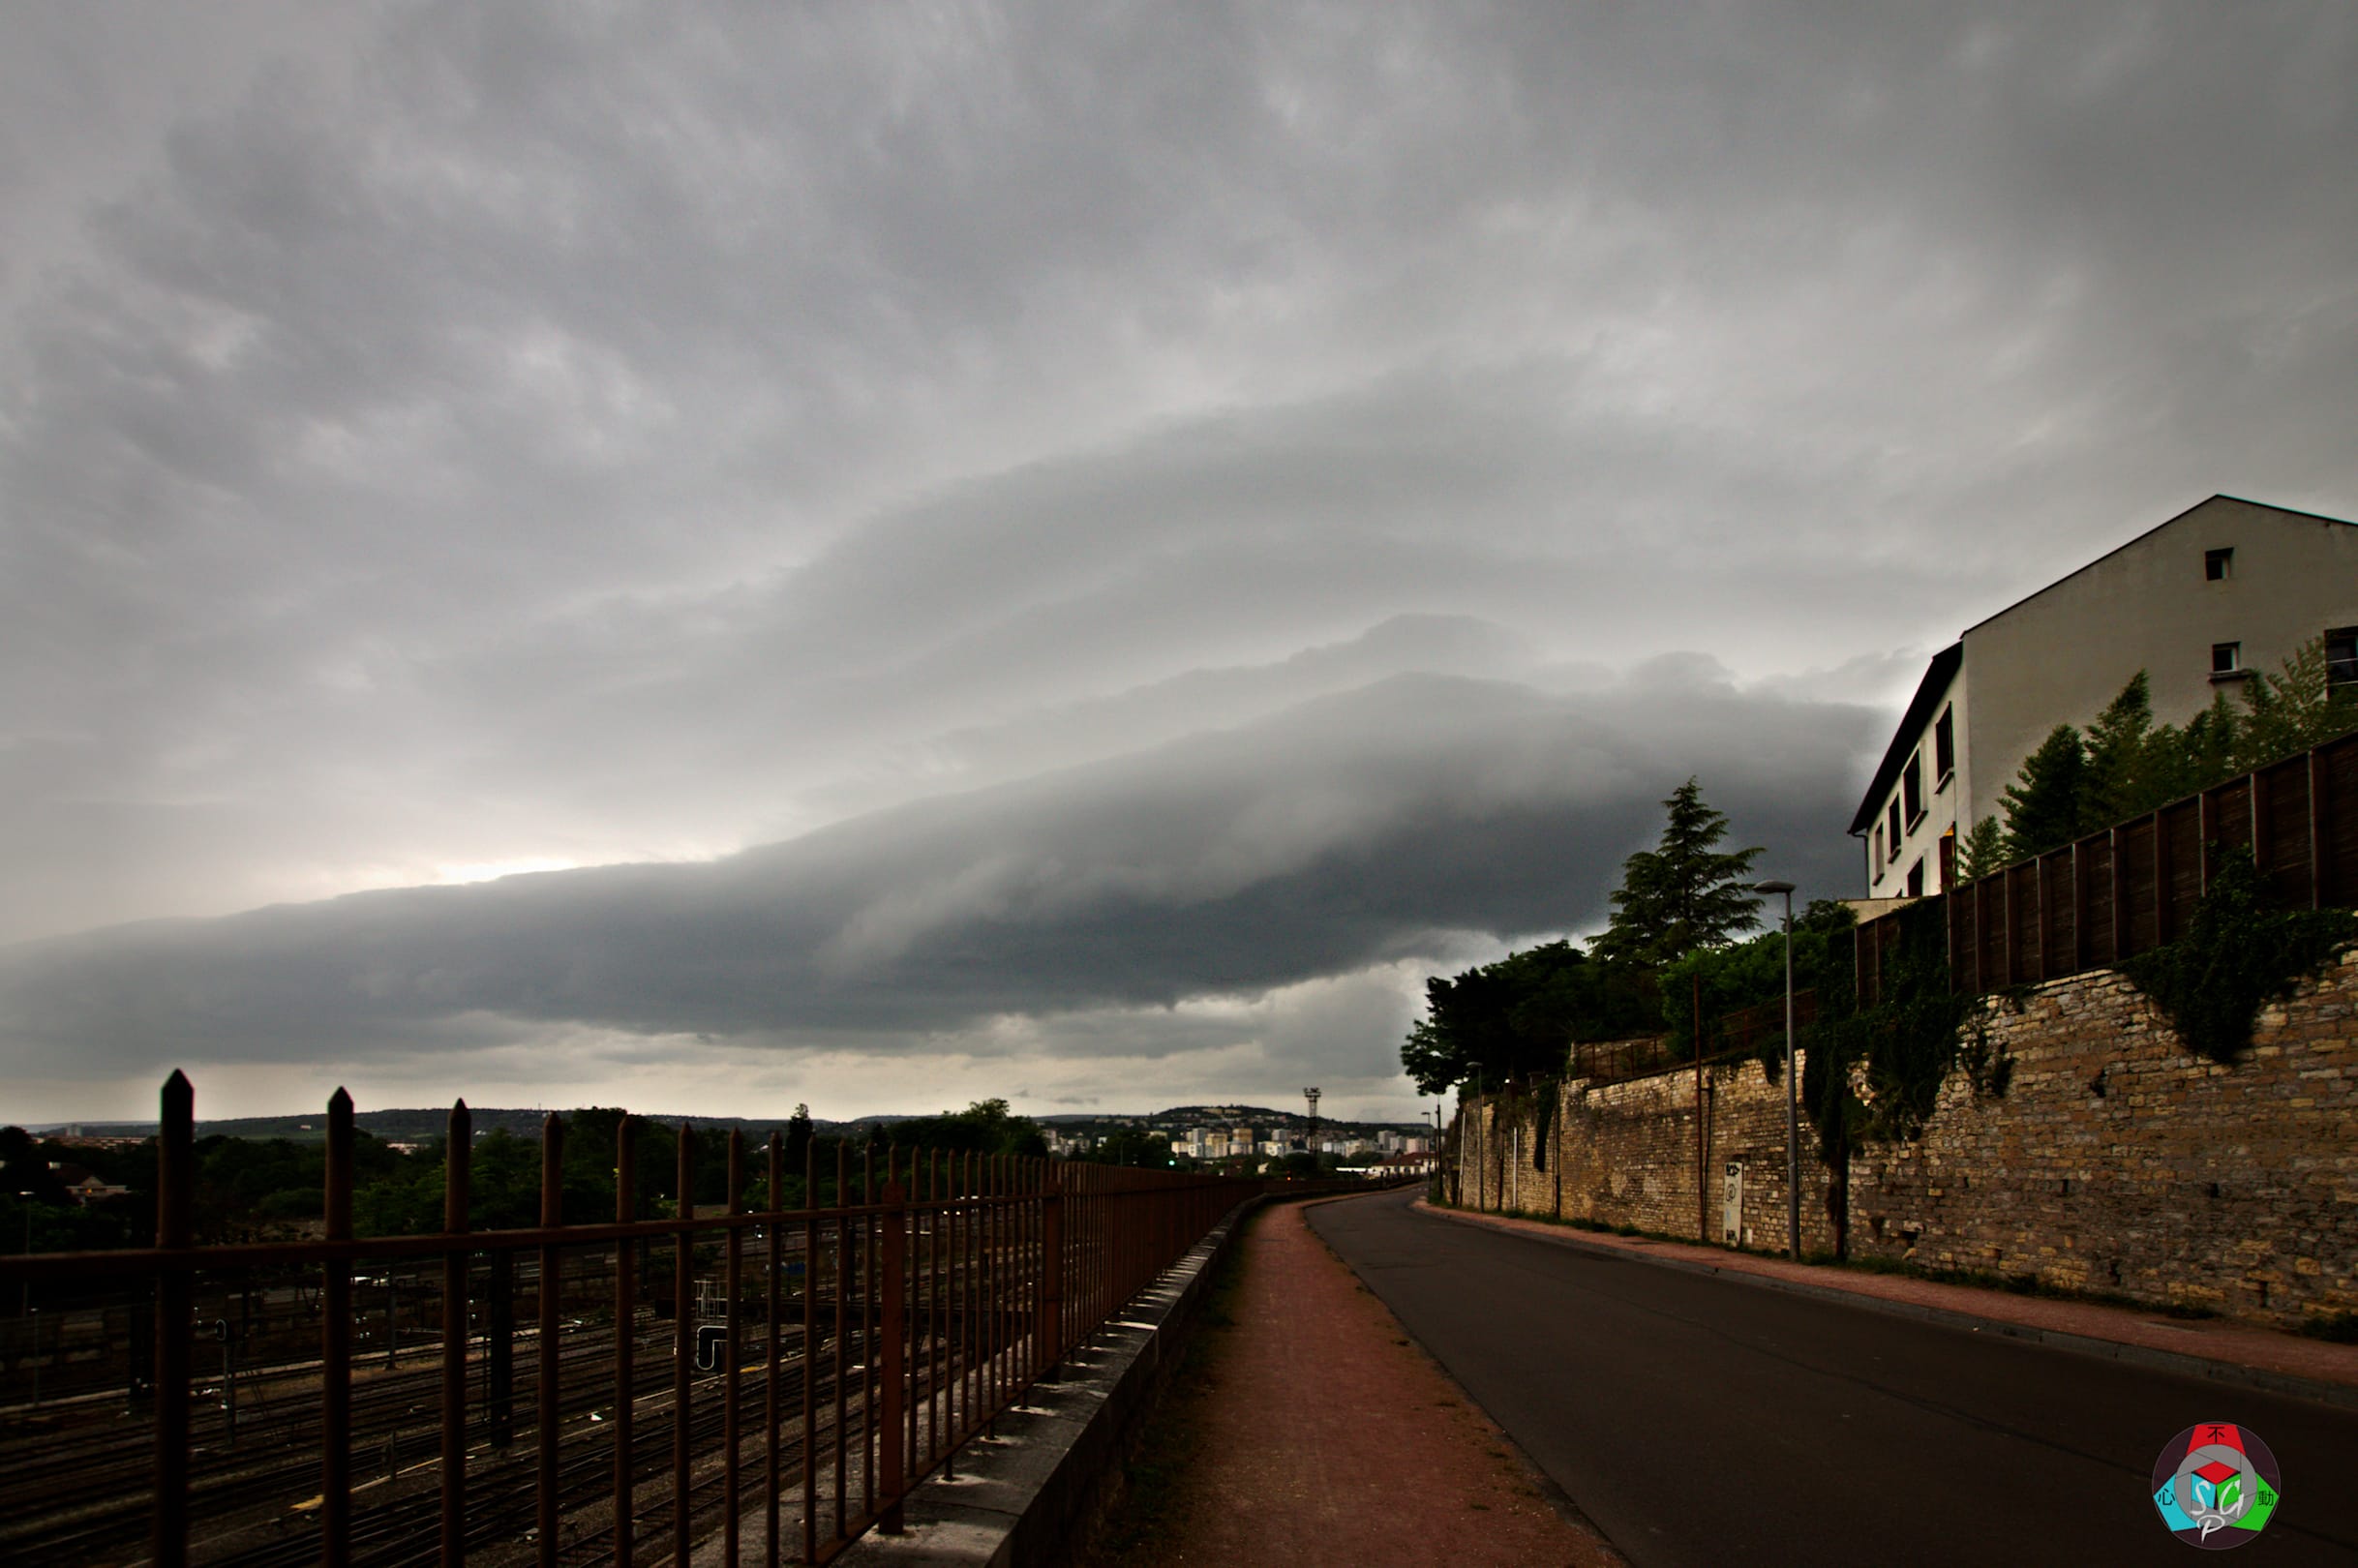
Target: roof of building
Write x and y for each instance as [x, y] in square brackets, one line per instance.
[2130, 544]
[1938, 676]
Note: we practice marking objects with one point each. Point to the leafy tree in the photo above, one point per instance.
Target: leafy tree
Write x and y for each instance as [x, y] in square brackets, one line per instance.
[1125, 1147]
[797, 1137]
[1751, 974]
[1508, 1023]
[1684, 893]
[24, 1168]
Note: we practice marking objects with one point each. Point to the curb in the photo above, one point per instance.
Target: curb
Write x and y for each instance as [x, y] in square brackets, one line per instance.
[2204, 1368]
[1020, 1491]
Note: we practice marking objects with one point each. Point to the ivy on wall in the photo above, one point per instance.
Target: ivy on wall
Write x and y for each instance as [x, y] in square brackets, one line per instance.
[1906, 1042]
[2237, 953]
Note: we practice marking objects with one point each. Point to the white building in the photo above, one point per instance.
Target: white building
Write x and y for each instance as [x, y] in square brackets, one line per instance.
[2199, 603]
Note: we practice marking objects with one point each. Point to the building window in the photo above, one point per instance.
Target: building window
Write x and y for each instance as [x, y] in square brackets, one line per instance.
[2218, 565]
[2342, 656]
[1912, 789]
[1945, 746]
[1915, 879]
[1877, 871]
[1948, 860]
[2227, 659]
[1895, 825]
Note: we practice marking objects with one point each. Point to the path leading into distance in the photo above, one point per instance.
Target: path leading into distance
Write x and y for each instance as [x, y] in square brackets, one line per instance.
[1701, 1421]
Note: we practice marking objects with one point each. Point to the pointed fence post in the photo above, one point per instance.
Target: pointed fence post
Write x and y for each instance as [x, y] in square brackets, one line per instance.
[175, 1184]
[458, 1166]
[1050, 1329]
[336, 1346]
[552, 1281]
[895, 1284]
[625, 1329]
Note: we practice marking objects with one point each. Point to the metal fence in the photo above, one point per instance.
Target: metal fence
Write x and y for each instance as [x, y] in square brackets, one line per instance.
[2134, 888]
[772, 1380]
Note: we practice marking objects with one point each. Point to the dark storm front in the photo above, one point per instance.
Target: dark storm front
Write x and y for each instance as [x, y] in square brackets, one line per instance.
[773, 1379]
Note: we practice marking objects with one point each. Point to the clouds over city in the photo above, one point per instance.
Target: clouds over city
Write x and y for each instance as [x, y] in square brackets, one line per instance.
[979, 526]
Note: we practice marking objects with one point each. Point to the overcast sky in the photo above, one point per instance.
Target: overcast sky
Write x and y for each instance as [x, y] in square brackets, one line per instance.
[1076, 552]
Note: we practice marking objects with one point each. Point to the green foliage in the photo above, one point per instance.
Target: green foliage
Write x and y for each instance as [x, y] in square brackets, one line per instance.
[1981, 851]
[2237, 954]
[1509, 1024]
[1684, 893]
[2119, 744]
[2042, 805]
[1128, 1148]
[1511, 1021]
[986, 1126]
[1906, 1042]
[2127, 764]
[24, 1168]
[1752, 974]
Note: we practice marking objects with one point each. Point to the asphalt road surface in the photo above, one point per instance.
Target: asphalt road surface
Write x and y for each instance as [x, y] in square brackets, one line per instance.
[1703, 1422]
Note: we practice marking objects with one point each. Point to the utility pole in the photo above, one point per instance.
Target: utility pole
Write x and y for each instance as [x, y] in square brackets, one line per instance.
[1793, 1137]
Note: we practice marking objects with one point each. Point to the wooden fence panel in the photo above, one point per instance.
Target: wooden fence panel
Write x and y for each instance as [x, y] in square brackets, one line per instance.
[1964, 943]
[2338, 867]
[2096, 887]
[2181, 866]
[2230, 817]
[2022, 924]
[2134, 888]
[2058, 916]
[1989, 918]
[2283, 853]
[2135, 845]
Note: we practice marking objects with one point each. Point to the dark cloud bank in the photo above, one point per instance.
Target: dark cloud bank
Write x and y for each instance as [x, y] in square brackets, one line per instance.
[1383, 823]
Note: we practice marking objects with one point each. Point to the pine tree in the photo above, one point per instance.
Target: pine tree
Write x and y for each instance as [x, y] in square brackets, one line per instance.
[2119, 752]
[1981, 851]
[2042, 805]
[1684, 894]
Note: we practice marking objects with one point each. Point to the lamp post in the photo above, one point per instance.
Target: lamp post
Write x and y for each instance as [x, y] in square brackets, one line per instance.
[1792, 1120]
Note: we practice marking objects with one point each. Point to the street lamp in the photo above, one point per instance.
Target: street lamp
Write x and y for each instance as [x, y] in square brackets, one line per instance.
[1792, 1120]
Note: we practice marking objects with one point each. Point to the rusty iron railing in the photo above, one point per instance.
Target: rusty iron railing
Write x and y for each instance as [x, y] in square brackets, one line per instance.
[871, 1339]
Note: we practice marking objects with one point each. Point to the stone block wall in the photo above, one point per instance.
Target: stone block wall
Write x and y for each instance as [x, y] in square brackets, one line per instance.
[2119, 1160]
[1624, 1154]
[2116, 1159]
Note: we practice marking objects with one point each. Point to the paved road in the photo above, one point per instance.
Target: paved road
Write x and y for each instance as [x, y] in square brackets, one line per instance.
[1703, 1422]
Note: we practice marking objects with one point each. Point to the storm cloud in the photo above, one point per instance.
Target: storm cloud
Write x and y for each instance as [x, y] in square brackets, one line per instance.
[1388, 824]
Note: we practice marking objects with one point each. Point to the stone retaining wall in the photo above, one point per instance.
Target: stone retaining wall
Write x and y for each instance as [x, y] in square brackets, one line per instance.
[2116, 1159]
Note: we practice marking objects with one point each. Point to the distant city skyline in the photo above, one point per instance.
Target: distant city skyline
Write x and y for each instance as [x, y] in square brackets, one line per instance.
[900, 554]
